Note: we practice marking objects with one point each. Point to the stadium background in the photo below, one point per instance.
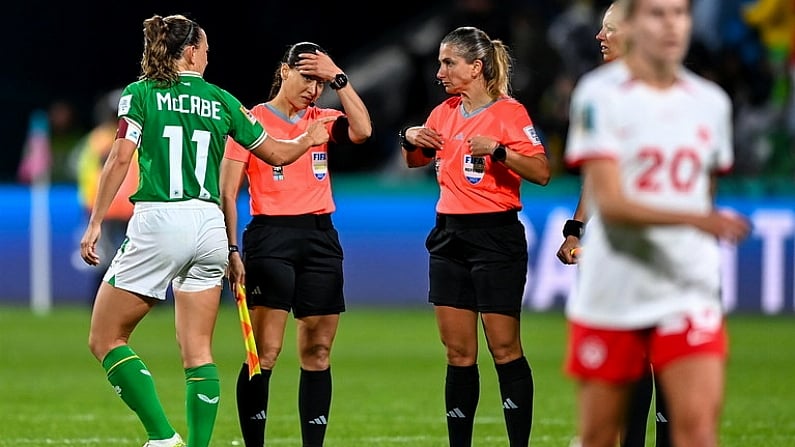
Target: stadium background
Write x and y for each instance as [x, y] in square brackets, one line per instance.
[67, 53]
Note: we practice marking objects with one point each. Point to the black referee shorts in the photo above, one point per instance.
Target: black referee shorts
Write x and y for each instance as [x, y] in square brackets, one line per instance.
[294, 263]
[478, 262]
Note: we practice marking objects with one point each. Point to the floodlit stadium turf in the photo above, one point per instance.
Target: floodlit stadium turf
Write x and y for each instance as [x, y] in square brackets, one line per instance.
[388, 374]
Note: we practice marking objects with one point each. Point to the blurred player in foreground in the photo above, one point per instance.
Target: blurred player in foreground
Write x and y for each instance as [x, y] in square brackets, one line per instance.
[649, 136]
[612, 45]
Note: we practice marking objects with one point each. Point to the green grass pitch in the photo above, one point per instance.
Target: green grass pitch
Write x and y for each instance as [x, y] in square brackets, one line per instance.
[388, 368]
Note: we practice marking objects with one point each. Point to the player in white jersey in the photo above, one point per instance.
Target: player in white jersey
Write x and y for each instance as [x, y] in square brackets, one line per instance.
[178, 123]
[612, 46]
[649, 136]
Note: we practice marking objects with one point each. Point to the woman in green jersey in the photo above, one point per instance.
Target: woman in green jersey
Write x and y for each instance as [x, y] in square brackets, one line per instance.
[176, 237]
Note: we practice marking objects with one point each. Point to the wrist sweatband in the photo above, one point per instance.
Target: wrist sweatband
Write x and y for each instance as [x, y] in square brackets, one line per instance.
[573, 228]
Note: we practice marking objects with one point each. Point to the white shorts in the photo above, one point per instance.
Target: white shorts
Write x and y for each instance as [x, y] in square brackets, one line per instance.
[179, 242]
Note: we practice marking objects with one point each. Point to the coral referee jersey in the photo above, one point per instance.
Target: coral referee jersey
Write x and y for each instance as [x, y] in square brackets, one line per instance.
[469, 184]
[301, 187]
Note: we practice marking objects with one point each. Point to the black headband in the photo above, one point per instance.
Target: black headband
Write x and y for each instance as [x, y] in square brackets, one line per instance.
[188, 36]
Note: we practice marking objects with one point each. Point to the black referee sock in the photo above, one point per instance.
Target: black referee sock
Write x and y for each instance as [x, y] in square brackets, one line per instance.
[461, 395]
[252, 406]
[516, 389]
[314, 403]
[663, 428]
[638, 412]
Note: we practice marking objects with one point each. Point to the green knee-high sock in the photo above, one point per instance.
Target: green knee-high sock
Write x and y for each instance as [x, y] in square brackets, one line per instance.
[203, 391]
[134, 384]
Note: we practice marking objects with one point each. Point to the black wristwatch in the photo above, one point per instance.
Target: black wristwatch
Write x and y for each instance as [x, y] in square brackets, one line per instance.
[403, 142]
[499, 154]
[233, 249]
[340, 81]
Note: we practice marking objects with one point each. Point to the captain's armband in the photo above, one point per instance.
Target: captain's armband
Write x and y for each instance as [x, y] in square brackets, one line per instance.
[129, 131]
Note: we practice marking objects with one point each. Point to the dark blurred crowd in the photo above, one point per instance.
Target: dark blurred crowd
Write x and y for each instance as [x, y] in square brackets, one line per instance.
[746, 46]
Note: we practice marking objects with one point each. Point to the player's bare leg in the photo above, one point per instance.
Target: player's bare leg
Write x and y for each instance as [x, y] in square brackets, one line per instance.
[601, 412]
[693, 389]
[195, 317]
[115, 315]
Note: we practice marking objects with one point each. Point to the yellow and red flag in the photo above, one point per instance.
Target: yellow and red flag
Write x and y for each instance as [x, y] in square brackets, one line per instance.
[248, 334]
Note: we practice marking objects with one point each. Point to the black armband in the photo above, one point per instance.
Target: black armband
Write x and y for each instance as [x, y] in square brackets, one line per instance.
[573, 228]
[339, 130]
[403, 142]
[234, 249]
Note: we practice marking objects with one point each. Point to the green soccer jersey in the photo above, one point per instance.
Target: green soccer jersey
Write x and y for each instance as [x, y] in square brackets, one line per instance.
[184, 128]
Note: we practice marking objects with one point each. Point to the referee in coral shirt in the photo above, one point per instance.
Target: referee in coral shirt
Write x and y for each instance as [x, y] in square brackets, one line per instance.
[483, 144]
[292, 257]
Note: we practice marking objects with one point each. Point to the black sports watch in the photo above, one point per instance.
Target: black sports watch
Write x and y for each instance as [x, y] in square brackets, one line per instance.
[340, 81]
[499, 153]
[404, 142]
